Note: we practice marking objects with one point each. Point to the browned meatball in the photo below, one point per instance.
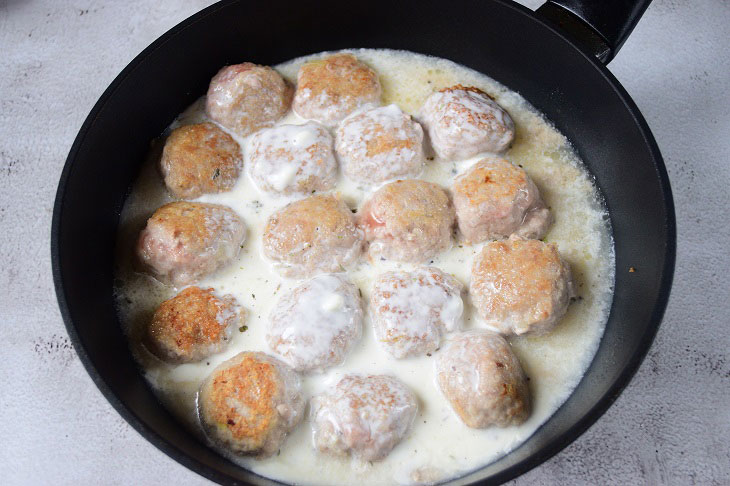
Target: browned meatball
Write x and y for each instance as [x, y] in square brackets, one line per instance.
[314, 235]
[250, 403]
[186, 241]
[463, 121]
[495, 199]
[364, 416]
[408, 221]
[247, 97]
[329, 89]
[314, 326]
[412, 311]
[192, 326]
[380, 144]
[292, 159]
[521, 286]
[200, 159]
[483, 380]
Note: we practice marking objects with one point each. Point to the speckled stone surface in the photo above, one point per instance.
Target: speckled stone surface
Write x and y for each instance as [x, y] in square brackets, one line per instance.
[671, 425]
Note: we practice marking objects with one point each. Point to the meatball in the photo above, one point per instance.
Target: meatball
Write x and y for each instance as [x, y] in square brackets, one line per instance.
[521, 286]
[380, 144]
[200, 159]
[185, 241]
[495, 199]
[247, 97]
[412, 311]
[192, 326]
[250, 403]
[313, 235]
[364, 416]
[314, 326]
[292, 159]
[408, 221]
[329, 89]
[483, 381]
[462, 122]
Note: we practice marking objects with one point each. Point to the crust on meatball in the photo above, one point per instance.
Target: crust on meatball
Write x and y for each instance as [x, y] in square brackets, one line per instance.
[314, 235]
[250, 403]
[200, 159]
[331, 88]
[247, 97]
[364, 416]
[483, 380]
[184, 241]
[463, 121]
[192, 326]
[380, 144]
[521, 286]
[407, 220]
[495, 199]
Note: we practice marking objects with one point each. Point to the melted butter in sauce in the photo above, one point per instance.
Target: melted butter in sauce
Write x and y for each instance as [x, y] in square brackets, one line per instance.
[439, 446]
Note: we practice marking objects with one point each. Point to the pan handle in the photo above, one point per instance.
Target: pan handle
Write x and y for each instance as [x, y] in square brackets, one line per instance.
[600, 26]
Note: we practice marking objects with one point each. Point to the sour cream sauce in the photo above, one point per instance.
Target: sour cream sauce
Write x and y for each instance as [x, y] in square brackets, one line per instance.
[439, 446]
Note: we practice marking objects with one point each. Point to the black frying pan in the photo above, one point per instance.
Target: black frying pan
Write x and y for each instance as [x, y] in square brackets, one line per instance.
[551, 57]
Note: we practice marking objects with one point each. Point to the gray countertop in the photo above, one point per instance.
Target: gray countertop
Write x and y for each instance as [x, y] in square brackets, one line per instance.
[670, 426]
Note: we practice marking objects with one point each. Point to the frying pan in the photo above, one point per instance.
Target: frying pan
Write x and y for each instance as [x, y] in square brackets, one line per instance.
[554, 57]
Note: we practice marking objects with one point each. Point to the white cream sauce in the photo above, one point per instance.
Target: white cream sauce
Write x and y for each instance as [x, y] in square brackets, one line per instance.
[439, 446]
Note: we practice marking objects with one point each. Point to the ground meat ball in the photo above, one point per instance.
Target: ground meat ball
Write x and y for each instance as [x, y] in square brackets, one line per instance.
[291, 159]
[314, 235]
[482, 380]
[200, 159]
[462, 122]
[314, 326]
[247, 97]
[364, 416]
[495, 199]
[186, 241]
[250, 403]
[192, 326]
[380, 144]
[412, 311]
[329, 89]
[408, 221]
[521, 286]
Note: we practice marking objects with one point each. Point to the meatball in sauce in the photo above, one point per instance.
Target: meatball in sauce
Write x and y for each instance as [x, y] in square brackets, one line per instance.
[495, 199]
[331, 88]
[407, 221]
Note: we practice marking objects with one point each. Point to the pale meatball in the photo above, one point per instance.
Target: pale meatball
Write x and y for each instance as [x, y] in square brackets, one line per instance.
[192, 326]
[185, 241]
[292, 159]
[521, 286]
[247, 97]
[463, 122]
[313, 235]
[495, 199]
[482, 380]
[412, 311]
[380, 144]
[250, 403]
[200, 159]
[408, 221]
[329, 89]
[314, 326]
[363, 416]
